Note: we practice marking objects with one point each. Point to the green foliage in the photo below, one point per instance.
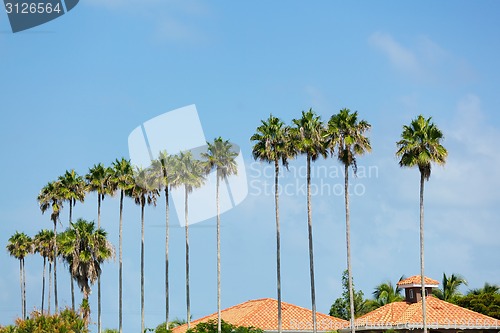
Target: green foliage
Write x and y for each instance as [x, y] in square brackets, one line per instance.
[487, 303]
[340, 308]
[211, 327]
[66, 321]
[450, 285]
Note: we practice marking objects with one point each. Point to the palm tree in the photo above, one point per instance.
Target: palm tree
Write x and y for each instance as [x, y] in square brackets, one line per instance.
[308, 138]
[162, 167]
[346, 135]
[73, 188]
[50, 196]
[190, 174]
[450, 287]
[486, 289]
[88, 248]
[143, 193]
[19, 246]
[221, 157]
[43, 243]
[272, 145]
[99, 181]
[420, 145]
[121, 179]
[386, 293]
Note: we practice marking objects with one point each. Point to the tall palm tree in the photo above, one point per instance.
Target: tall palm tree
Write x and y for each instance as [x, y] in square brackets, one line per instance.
[19, 246]
[346, 135]
[99, 180]
[43, 243]
[162, 167]
[386, 293]
[143, 193]
[50, 197]
[272, 146]
[73, 189]
[308, 137]
[220, 156]
[122, 180]
[189, 173]
[88, 248]
[450, 285]
[420, 145]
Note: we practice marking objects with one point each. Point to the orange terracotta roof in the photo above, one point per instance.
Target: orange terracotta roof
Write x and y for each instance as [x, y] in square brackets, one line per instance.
[415, 281]
[440, 314]
[263, 314]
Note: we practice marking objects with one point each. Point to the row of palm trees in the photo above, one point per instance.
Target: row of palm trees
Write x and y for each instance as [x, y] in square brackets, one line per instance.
[144, 186]
[343, 137]
[82, 247]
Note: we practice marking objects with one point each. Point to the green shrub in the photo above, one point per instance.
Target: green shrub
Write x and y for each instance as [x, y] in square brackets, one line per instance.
[67, 321]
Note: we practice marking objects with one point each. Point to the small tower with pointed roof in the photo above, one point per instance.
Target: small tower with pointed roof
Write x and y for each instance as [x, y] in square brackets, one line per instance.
[413, 287]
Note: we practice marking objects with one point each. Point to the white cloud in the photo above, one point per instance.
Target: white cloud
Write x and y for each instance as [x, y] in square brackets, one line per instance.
[400, 57]
[179, 20]
[425, 60]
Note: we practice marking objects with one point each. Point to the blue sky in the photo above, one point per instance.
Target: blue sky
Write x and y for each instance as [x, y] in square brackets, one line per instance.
[73, 89]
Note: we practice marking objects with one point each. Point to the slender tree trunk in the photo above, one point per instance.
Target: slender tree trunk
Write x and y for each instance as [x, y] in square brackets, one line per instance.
[120, 274]
[422, 279]
[70, 273]
[142, 265]
[278, 245]
[43, 281]
[24, 290]
[72, 284]
[99, 277]
[166, 257]
[50, 286]
[311, 256]
[348, 242]
[21, 285]
[188, 304]
[56, 305]
[218, 255]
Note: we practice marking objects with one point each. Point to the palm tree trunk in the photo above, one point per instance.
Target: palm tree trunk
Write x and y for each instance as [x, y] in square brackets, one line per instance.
[120, 273]
[56, 305]
[166, 257]
[24, 290]
[72, 290]
[278, 245]
[348, 242]
[422, 279]
[188, 304]
[50, 286]
[218, 256]
[21, 285]
[70, 273]
[311, 256]
[99, 277]
[43, 281]
[142, 264]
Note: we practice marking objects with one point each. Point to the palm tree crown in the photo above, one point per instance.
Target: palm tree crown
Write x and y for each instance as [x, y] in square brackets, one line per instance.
[420, 145]
[308, 135]
[271, 141]
[221, 156]
[450, 287]
[346, 134]
[73, 188]
[386, 293]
